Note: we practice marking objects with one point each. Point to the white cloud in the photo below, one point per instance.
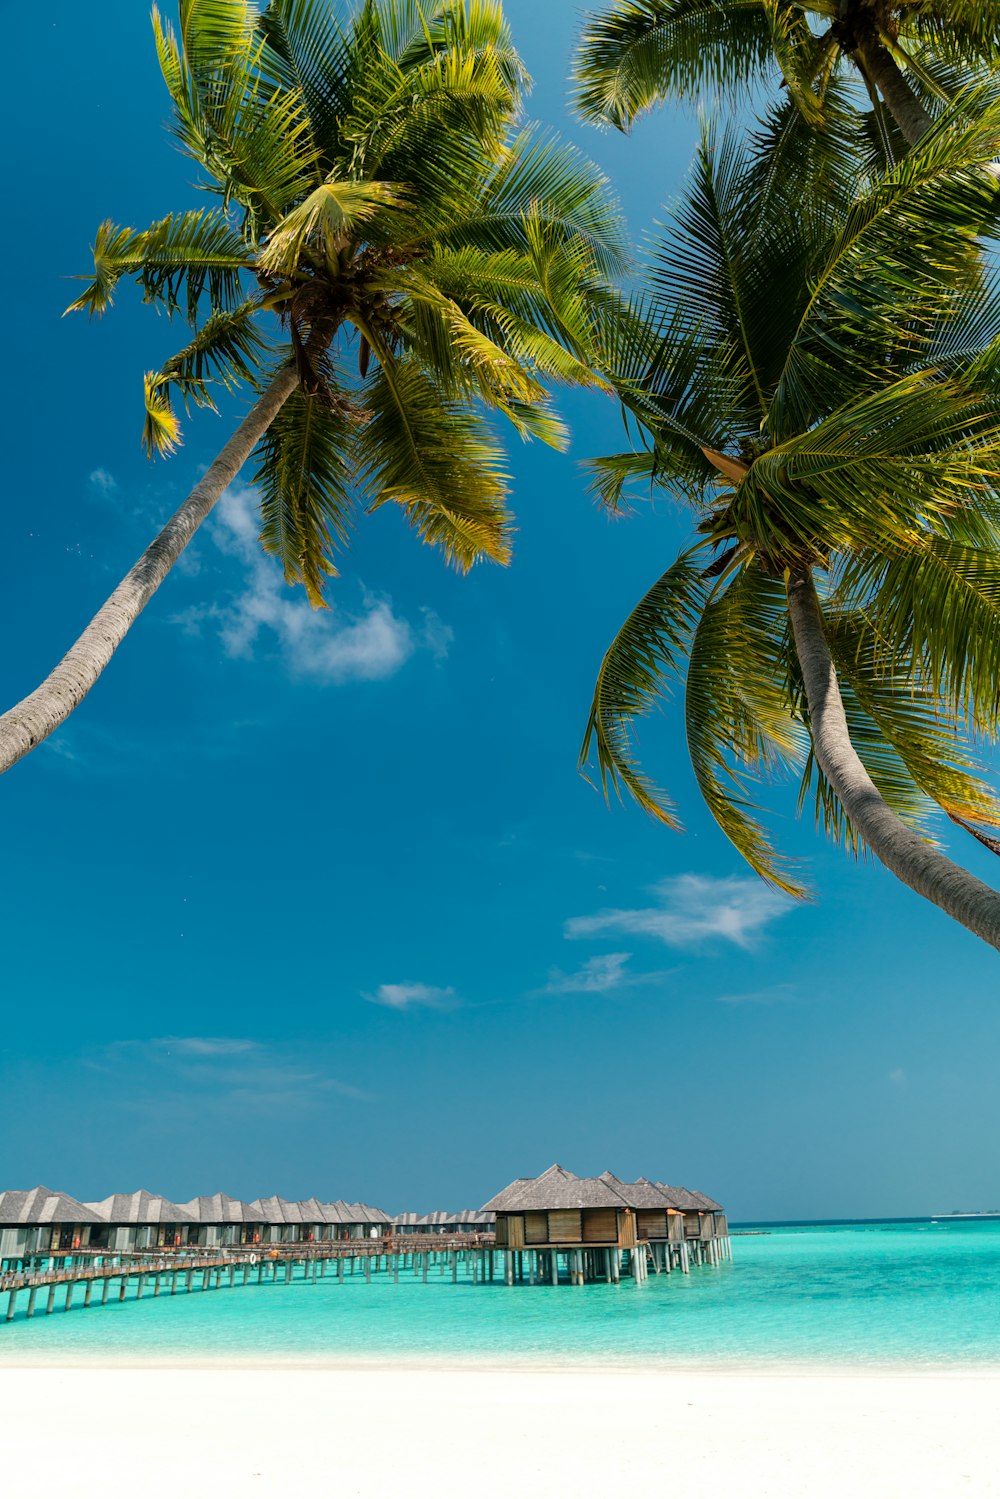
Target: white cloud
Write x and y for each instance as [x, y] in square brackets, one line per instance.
[597, 976]
[205, 1046]
[103, 483]
[221, 1072]
[322, 645]
[403, 996]
[692, 909]
[777, 994]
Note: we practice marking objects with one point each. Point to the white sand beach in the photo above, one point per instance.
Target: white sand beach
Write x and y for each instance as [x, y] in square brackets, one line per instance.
[220, 1432]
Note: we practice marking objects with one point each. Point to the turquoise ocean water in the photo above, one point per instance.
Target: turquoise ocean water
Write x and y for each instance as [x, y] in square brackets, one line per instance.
[918, 1295]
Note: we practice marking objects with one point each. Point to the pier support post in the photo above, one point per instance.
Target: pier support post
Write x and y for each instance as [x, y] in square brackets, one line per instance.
[51, 1301]
[69, 1297]
[31, 1301]
[340, 1270]
[88, 1292]
[105, 1287]
[122, 1284]
[11, 1304]
[685, 1258]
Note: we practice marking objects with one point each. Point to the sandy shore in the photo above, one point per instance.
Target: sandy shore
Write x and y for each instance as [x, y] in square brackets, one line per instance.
[219, 1432]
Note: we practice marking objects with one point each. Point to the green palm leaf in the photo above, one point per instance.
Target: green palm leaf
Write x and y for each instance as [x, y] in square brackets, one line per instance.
[738, 716]
[643, 662]
[305, 474]
[436, 459]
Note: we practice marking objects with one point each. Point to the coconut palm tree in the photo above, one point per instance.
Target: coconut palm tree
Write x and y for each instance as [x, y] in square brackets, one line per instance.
[432, 261]
[909, 54]
[821, 385]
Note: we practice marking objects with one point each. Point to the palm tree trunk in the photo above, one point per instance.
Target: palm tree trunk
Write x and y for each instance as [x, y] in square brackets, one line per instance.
[901, 102]
[35, 717]
[900, 849]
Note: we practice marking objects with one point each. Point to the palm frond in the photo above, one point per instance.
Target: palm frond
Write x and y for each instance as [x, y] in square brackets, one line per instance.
[910, 725]
[176, 262]
[642, 664]
[254, 139]
[907, 253]
[325, 222]
[538, 180]
[738, 716]
[636, 52]
[935, 606]
[436, 459]
[305, 472]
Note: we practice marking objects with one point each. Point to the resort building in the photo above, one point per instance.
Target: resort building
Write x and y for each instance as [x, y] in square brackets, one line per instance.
[40, 1222]
[134, 1221]
[468, 1221]
[604, 1226]
[311, 1221]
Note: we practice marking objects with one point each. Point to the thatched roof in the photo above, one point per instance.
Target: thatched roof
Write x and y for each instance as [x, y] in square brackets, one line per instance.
[554, 1189]
[218, 1208]
[40, 1205]
[140, 1207]
[689, 1202]
[558, 1188]
[467, 1217]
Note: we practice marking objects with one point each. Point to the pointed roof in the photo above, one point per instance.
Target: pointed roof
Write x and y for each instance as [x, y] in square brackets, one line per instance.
[637, 1194]
[140, 1207]
[556, 1188]
[41, 1205]
[689, 1202]
[218, 1208]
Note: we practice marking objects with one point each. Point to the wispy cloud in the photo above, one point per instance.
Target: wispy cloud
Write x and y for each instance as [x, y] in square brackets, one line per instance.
[776, 994]
[692, 909]
[408, 995]
[327, 645]
[219, 1072]
[103, 483]
[597, 976]
[205, 1046]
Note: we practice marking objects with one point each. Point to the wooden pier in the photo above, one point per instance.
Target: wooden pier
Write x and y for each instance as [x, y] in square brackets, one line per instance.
[84, 1279]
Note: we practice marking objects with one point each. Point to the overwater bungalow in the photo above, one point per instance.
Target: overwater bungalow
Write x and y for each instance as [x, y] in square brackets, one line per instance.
[40, 1222]
[466, 1221]
[601, 1225]
[134, 1221]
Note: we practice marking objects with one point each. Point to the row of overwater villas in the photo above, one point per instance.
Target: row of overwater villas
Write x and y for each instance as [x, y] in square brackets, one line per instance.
[41, 1222]
[560, 1210]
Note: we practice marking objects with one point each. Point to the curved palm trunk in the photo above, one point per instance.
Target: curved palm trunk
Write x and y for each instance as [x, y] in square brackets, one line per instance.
[35, 717]
[900, 100]
[900, 849]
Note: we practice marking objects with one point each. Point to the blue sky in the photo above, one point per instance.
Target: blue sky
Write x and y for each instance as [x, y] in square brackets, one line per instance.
[318, 904]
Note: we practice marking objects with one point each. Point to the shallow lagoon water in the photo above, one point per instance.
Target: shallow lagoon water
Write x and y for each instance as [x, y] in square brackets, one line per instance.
[919, 1295]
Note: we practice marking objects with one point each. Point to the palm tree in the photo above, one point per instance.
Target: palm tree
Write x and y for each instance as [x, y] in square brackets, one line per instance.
[433, 261]
[909, 54]
[821, 385]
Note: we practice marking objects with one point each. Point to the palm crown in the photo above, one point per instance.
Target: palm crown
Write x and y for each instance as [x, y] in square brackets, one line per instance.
[909, 54]
[431, 261]
[819, 380]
